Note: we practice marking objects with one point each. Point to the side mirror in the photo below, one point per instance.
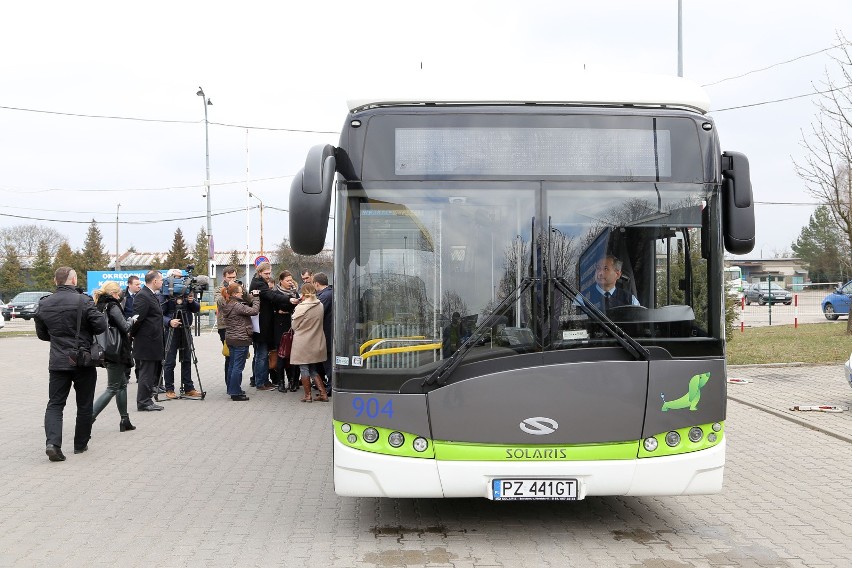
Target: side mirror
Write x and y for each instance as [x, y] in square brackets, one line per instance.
[737, 204]
[310, 200]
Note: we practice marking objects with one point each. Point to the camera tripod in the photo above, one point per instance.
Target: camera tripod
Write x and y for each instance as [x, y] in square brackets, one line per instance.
[188, 346]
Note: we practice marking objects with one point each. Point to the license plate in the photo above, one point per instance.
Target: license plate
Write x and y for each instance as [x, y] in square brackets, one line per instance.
[534, 489]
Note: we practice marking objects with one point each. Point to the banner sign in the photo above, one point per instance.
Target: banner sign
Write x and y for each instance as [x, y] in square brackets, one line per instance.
[97, 278]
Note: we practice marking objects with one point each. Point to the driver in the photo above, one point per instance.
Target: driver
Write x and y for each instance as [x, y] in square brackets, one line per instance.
[604, 294]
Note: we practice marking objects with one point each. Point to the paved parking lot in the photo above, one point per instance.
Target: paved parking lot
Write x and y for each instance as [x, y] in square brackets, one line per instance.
[220, 483]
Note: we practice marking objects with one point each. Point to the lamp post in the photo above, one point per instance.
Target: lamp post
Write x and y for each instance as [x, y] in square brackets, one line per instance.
[211, 250]
[117, 255]
[261, 221]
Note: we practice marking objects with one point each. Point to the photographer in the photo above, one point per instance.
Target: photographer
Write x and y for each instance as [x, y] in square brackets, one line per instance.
[178, 304]
[56, 322]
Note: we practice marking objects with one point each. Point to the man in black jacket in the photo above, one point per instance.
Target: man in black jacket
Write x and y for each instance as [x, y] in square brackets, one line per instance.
[147, 333]
[262, 285]
[56, 322]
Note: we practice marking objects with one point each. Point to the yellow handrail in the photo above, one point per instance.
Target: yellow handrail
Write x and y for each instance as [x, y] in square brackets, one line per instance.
[372, 342]
[390, 350]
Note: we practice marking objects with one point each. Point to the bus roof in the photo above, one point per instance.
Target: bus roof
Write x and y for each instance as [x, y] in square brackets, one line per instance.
[582, 89]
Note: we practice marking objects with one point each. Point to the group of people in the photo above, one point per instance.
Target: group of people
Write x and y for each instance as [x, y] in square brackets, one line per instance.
[264, 313]
[153, 329]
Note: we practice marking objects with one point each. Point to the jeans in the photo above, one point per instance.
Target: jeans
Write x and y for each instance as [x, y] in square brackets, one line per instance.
[84, 380]
[235, 372]
[260, 365]
[309, 370]
[116, 387]
[228, 358]
[185, 362]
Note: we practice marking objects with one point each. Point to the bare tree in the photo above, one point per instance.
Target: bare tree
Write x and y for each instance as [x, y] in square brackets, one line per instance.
[826, 166]
[26, 239]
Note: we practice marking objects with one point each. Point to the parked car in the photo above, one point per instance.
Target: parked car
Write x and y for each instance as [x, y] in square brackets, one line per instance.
[836, 304]
[762, 293]
[23, 305]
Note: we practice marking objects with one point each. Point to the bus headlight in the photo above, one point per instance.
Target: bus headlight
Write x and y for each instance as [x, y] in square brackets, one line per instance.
[420, 444]
[672, 439]
[370, 435]
[351, 438]
[695, 434]
[650, 444]
[717, 427]
[346, 428]
[711, 437]
[396, 439]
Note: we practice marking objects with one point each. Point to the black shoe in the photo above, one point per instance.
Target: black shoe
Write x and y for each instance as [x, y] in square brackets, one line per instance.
[251, 382]
[239, 397]
[125, 425]
[150, 408]
[54, 453]
[81, 450]
[159, 389]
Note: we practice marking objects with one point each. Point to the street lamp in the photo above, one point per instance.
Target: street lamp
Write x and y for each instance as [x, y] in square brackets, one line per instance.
[117, 255]
[261, 221]
[211, 250]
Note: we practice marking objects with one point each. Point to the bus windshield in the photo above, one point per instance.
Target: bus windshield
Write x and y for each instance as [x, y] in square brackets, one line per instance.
[425, 265]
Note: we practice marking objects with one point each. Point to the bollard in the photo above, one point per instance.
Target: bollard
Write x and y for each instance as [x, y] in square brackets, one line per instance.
[795, 311]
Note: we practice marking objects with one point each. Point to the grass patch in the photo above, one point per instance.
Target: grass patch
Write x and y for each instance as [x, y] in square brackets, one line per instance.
[17, 333]
[810, 343]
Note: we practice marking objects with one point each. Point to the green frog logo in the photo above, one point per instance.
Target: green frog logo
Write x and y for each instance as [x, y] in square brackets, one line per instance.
[691, 398]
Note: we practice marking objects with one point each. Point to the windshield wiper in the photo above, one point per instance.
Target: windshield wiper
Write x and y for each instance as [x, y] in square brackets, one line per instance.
[630, 345]
[442, 373]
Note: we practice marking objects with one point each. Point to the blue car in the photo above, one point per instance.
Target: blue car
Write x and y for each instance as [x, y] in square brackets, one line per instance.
[836, 304]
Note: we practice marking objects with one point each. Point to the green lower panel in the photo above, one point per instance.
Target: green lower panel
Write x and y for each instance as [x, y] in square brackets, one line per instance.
[455, 451]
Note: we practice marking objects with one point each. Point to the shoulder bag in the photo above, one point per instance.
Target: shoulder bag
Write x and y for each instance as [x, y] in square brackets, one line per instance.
[286, 344]
[91, 356]
[110, 340]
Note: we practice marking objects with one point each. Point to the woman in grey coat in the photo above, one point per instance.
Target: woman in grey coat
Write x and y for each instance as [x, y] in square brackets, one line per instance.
[309, 341]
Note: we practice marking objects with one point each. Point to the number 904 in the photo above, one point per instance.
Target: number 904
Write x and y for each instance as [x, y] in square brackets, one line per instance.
[372, 407]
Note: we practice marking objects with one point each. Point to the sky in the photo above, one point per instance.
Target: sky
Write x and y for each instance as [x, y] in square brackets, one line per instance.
[99, 116]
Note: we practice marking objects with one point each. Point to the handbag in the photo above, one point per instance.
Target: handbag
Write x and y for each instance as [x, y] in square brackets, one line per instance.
[91, 356]
[273, 360]
[110, 341]
[286, 345]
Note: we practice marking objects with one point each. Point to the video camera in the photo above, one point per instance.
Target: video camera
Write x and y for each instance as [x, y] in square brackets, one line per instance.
[183, 286]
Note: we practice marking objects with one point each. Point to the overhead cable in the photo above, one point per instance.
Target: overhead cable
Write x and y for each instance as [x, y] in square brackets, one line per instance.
[771, 66]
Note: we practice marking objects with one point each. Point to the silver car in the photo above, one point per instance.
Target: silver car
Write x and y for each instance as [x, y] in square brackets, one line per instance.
[761, 293]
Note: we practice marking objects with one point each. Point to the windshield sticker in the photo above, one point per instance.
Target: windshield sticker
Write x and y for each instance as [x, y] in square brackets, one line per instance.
[341, 360]
[357, 361]
[691, 398]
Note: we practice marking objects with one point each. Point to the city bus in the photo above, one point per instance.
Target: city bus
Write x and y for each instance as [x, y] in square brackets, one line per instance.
[470, 357]
[734, 281]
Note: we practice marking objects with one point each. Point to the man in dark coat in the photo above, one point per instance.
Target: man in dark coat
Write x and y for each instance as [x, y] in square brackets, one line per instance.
[325, 294]
[147, 333]
[264, 340]
[56, 322]
[133, 286]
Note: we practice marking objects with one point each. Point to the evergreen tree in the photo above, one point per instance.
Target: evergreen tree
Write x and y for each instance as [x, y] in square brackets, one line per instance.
[10, 274]
[178, 256]
[42, 271]
[93, 256]
[158, 262]
[235, 260]
[64, 257]
[819, 246]
[201, 258]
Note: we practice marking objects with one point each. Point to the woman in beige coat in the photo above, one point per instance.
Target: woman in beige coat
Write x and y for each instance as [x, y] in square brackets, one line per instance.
[309, 341]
